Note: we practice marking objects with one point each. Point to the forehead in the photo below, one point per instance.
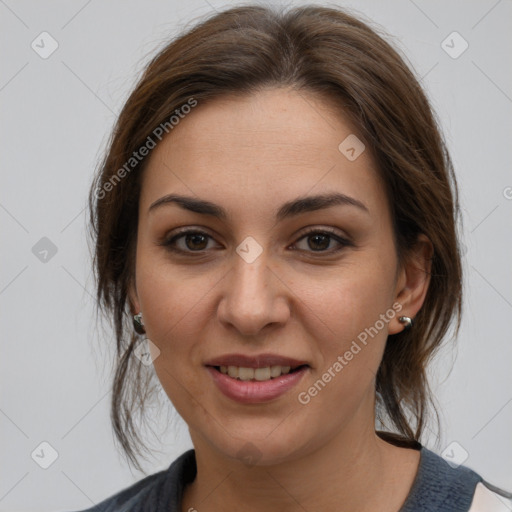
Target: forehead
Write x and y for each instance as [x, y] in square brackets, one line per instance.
[256, 148]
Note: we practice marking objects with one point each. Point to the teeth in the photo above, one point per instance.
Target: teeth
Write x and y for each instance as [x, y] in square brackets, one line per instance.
[260, 374]
[275, 371]
[246, 373]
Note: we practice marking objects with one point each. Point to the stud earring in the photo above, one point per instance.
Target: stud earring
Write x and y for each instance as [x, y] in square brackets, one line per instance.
[138, 325]
[407, 321]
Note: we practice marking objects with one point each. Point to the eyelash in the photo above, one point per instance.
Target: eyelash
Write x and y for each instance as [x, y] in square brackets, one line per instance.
[169, 243]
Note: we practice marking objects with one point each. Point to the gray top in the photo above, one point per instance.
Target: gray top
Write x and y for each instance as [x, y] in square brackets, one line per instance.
[438, 487]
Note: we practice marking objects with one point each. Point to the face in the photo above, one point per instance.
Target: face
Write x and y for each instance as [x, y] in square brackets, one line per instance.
[304, 283]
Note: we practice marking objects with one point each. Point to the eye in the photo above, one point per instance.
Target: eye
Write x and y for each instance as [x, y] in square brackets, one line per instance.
[319, 240]
[192, 241]
[196, 241]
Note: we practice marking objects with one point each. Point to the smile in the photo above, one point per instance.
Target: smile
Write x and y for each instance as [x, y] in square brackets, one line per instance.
[256, 385]
[258, 374]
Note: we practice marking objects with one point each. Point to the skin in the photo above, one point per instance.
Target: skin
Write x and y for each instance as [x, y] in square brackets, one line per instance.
[250, 155]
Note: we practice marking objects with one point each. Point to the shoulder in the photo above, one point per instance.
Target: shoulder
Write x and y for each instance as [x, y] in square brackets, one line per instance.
[159, 491]
[441, 486]
[488, 498]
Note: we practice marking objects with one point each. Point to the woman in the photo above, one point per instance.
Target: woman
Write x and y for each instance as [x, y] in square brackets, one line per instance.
[277, 214]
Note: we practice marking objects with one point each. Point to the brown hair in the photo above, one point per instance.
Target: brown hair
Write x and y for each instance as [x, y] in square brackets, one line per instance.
[319, 50]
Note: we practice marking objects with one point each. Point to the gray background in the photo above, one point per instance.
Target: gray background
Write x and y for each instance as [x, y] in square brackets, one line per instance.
[56, 115]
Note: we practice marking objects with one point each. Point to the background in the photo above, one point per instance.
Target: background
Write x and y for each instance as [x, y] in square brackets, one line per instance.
[67, 69]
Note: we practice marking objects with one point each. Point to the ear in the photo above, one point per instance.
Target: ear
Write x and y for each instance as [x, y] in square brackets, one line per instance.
[133, 298]
[413, 282]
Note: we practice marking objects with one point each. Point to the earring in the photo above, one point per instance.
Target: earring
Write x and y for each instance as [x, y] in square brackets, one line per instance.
[407, 321]
[138, 325]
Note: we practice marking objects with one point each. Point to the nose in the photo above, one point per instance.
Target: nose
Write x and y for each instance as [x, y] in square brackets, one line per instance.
[254, 297]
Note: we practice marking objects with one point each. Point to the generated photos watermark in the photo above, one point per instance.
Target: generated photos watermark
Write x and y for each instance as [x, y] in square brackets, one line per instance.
[137, 156]
[304, 397]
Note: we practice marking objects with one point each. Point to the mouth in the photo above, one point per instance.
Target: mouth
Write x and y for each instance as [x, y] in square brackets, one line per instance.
[253, 379]
[258, 374]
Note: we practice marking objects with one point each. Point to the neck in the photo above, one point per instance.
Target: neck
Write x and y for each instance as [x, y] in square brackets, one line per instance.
[354, 471]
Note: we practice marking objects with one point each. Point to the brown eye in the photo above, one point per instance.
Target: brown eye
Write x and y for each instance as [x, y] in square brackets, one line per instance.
[320, 241]
[196, 241]
[188, 241]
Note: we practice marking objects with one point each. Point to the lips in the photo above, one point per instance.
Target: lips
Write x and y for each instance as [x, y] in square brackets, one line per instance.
[259, 361]
[224, 371]
[253, 391]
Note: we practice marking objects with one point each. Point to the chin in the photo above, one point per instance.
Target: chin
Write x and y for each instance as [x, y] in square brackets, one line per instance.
[266, 452]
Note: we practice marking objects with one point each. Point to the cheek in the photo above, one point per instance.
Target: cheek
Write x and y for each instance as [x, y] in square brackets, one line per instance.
[175, 302]
[176, 305]
[347, 300]
[343, 317]
[349, 349]
[169, 291]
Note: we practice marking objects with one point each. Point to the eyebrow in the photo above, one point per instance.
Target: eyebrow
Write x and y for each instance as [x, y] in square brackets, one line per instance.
[290, 209]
